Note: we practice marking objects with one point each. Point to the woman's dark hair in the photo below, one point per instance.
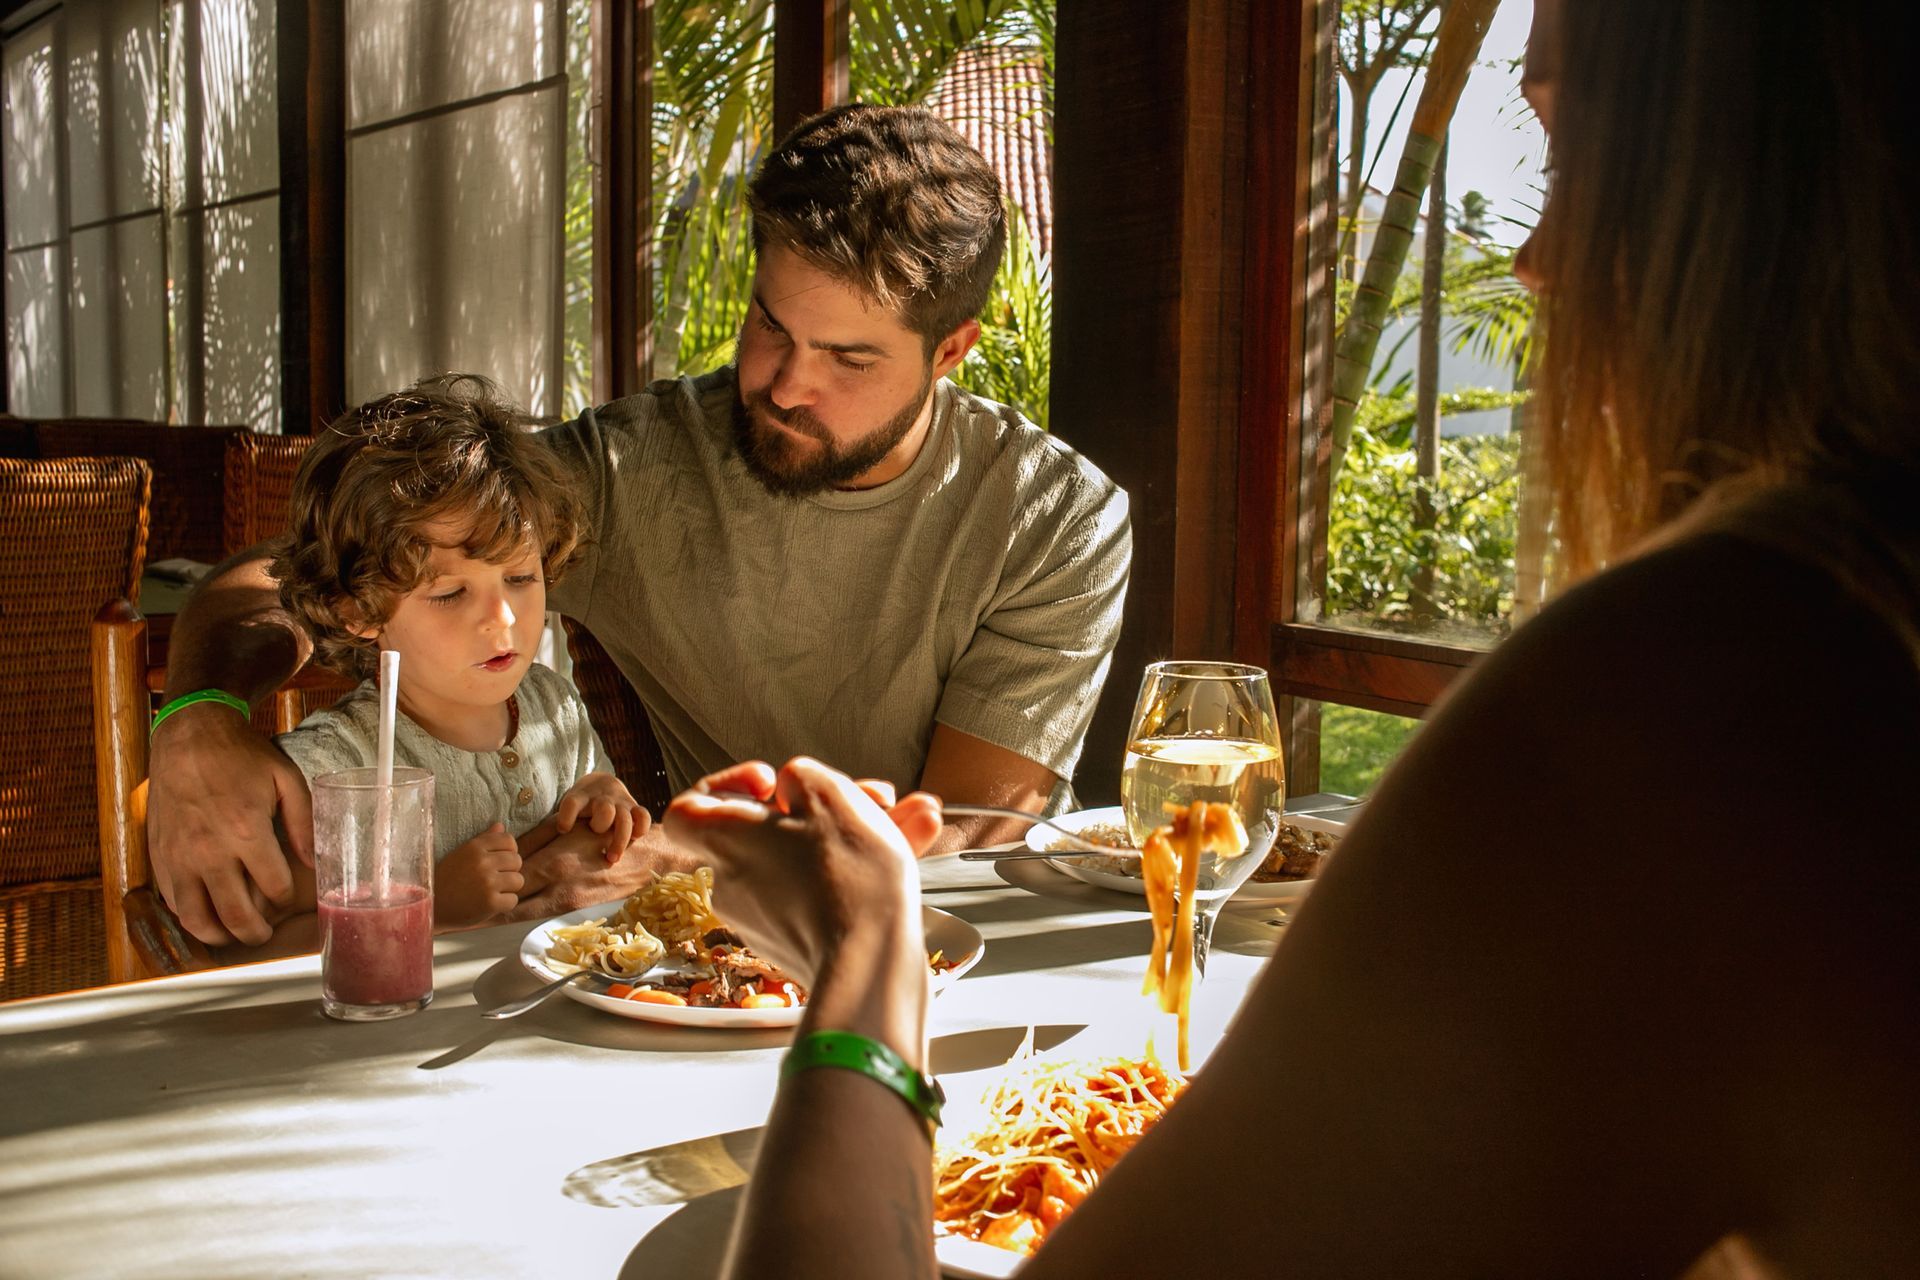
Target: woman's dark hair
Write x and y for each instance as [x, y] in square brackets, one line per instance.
[1729, 254]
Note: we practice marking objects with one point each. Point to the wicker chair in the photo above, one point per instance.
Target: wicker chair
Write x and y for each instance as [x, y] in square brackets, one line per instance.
[619, 719]
[73, 532]
[259, 473]
[257, 498]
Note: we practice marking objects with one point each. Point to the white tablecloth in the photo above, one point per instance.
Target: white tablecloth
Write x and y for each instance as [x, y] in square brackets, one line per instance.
[217, 1125]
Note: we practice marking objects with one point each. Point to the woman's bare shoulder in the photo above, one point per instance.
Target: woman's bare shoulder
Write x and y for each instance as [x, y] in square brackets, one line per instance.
[1714, 668]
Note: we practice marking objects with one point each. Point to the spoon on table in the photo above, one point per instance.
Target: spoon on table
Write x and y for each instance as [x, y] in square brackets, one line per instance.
[514, 1008]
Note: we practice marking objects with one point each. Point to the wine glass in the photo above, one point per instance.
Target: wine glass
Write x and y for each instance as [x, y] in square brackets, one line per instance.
[1206, 731]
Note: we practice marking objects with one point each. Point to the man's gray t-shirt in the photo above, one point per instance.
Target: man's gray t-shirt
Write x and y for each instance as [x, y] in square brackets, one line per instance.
[981, 588]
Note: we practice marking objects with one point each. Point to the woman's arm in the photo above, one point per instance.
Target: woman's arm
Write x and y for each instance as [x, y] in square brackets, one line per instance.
[825, 884]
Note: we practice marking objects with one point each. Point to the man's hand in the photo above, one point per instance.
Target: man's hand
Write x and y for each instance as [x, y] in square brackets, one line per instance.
[479, 880]
[213, 787]
[610, 810]
[564, 872]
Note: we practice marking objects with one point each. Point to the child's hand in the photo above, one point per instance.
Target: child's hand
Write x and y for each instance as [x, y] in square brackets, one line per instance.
[479, 880]
[609, 809]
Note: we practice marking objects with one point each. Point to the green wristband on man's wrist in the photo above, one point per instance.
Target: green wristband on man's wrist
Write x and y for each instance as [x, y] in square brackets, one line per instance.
[870, 1058]
[220, 696]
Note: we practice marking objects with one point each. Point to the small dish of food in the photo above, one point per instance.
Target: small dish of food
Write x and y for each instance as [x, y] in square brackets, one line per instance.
[1302, 841]
[1107, 826]
[1288, 871]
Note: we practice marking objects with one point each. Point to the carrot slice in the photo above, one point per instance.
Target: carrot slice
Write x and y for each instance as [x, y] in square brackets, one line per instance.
[652, 995]
[768, 1000]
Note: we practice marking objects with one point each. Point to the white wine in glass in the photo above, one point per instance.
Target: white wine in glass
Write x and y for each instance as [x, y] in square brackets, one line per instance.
[1206, 731]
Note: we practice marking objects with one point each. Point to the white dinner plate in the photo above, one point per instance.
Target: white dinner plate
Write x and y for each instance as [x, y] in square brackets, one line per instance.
[971, 1260]
[961, 942]
[1040, 839]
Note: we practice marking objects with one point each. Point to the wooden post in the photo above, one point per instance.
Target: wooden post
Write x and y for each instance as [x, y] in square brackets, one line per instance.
[120, 715]
[313, 187]
[1150, 189]
[622, 198]
[811, 59]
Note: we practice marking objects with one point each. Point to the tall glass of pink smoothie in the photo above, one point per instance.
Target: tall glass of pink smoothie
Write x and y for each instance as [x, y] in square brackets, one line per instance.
[373, 861]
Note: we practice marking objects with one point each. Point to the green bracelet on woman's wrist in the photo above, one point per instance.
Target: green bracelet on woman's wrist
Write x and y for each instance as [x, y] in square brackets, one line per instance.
[872, 1059]
[220, 696]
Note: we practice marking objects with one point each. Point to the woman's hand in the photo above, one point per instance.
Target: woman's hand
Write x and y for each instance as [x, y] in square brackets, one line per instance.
[806, 856]
[610, 810]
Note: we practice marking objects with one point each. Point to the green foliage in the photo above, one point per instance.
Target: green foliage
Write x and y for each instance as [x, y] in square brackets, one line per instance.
[1012, 363]
[1375, 544]
[1356, 747]
[712, 114]
[901, 48]
[712, 121]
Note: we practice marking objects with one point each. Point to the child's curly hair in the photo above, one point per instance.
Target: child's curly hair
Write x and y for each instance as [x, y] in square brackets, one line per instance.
[448, 448]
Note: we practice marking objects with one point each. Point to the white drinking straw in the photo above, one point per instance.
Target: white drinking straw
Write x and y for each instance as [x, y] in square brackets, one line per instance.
[383, 773]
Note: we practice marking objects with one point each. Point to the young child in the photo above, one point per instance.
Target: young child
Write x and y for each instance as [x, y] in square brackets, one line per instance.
[430, 522]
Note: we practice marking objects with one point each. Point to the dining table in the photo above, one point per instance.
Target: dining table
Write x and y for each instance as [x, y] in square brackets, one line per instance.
[217, 1125]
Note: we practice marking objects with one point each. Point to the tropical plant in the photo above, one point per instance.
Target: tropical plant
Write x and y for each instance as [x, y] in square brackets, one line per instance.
[1469, 546]
[901, 48]
[712, 113]
[712, 121]
[1456, 44]
[1012, 362]
[1375, 37]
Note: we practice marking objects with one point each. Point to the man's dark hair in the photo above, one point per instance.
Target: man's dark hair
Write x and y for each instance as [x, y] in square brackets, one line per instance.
[893, 202]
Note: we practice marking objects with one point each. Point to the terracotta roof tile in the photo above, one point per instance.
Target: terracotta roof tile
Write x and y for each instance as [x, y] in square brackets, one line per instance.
[992, 96]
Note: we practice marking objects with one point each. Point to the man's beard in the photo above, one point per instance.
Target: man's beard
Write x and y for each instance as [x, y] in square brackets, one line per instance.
[777, 462]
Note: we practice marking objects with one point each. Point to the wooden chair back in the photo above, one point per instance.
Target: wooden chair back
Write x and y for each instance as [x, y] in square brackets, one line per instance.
[187, 467]
[143, 938]
[72, 532]
[258, 498]
[620, 719]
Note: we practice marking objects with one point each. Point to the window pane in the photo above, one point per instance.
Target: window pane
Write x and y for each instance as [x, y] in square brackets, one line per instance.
[113, 108]
[223, 74]
[226, 269]
[119, 328]
[577, 362]
[1420, 533]
[36, 351]
[408, 55]
[1356, 746]
[712, 113]
[454, 249]
[33, 211]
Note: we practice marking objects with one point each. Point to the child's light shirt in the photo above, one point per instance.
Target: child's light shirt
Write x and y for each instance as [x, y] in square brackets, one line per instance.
[520, 784]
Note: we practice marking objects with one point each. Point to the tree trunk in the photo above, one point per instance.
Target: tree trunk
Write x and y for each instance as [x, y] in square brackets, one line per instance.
[1457, 44]
[1351, 200]
[1426, 392]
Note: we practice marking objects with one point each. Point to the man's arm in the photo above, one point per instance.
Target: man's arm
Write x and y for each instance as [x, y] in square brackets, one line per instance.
[970, 770]
[214, 783]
